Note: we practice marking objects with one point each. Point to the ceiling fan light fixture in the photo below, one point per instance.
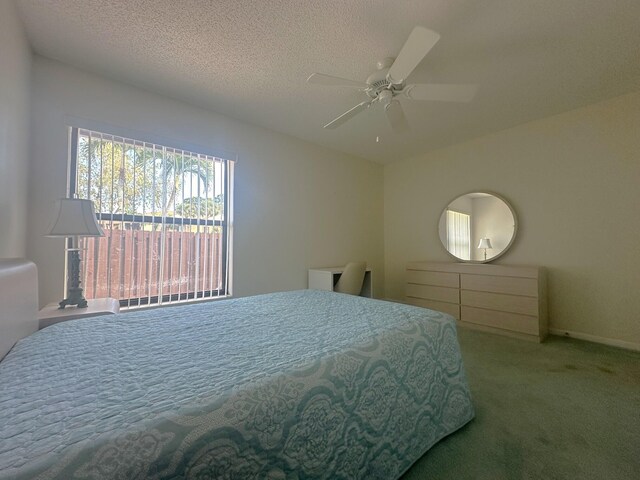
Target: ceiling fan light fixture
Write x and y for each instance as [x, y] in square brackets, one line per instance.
[388, 82]
[385, 97]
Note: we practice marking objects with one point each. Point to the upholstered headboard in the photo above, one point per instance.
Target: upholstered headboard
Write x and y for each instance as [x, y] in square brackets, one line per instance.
[18, 301]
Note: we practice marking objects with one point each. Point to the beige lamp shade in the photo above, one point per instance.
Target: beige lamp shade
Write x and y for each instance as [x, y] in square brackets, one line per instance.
[485, 243]
[75, 218]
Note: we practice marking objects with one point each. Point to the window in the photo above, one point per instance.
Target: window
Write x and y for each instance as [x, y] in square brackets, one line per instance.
[459, 234]
[166, 216]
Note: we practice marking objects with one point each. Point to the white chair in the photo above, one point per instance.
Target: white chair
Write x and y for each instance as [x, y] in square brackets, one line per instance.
[352, 278]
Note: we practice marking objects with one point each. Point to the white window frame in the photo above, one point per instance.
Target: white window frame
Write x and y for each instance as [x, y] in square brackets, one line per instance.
[199, 224]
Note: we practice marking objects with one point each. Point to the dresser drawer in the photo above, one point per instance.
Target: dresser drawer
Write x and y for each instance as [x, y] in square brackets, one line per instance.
[503, 299]
[441, 294]
[504, 320]
[450, 308]
[497, 301]
[437, 279]
[489, 283]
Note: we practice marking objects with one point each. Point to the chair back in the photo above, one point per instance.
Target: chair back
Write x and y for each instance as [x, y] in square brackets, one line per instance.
[352, 278]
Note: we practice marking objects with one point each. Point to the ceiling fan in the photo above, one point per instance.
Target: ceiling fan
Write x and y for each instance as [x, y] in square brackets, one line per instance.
[387, 84]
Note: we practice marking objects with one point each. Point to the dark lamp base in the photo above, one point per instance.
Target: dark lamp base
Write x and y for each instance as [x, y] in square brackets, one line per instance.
[74, 292]
[75, 298]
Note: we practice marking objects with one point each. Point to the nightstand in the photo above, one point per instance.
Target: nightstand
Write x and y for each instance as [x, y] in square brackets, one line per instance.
[100, 306]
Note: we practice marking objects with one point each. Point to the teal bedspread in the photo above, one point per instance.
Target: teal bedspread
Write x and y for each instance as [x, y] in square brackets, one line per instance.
[303, 384]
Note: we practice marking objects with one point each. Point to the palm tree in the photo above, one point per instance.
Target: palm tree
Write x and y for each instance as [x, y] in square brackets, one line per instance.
[176, 168]
[132, 178]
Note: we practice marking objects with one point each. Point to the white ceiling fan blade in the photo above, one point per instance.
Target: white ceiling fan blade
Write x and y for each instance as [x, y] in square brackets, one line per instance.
[414, 50]
[396, 117]
[348, 115]
[323, 79]
[440, 92]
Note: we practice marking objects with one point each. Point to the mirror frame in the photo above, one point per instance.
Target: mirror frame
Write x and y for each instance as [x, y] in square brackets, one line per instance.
[504, 250]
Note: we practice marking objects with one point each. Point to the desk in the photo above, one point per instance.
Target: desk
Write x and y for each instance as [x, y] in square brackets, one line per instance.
[100, 306]
[326, 279]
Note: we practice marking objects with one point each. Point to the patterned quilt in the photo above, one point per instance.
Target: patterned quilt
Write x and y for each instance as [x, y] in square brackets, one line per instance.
[291, 385]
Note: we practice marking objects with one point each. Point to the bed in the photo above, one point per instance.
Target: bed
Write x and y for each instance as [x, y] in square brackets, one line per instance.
[303, 384]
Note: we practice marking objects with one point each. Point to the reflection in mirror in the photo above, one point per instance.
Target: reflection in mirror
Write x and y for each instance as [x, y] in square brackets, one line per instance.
[477, 227]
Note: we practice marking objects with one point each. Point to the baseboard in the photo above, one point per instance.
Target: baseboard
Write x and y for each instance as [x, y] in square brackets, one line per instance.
[595, 339]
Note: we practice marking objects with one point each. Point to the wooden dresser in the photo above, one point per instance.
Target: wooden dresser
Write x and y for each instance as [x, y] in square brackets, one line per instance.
[508, 300]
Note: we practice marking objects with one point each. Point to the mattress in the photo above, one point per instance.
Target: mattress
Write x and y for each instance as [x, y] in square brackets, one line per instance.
[304, 384]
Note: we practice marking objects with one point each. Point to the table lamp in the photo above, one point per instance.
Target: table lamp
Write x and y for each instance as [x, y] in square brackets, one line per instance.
[485, 243]
[75, 218]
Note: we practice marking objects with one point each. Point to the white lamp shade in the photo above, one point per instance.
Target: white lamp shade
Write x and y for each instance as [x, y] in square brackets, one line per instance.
[485, 243]
[75, 218]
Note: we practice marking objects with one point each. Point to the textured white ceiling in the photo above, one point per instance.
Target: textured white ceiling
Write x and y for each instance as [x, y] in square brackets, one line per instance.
[249, 59]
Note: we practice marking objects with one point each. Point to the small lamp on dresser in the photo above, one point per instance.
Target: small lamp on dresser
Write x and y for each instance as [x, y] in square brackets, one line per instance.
[485, 243]
[75, 218]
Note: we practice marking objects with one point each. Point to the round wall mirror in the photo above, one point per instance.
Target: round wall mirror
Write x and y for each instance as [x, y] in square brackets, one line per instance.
[478, 227]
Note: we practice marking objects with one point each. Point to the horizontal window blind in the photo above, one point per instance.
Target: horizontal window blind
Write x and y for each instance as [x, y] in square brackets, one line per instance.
[166, 216]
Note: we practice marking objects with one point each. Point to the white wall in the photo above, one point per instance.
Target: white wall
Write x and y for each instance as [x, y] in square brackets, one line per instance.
[15, 65]
[491, 218]
[574, 181]
[296, 205]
